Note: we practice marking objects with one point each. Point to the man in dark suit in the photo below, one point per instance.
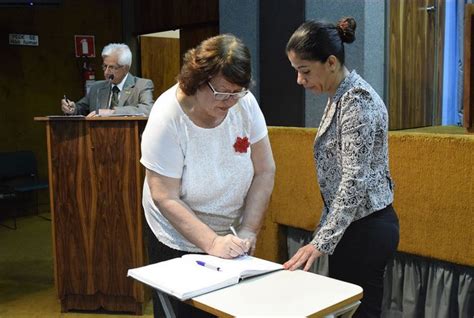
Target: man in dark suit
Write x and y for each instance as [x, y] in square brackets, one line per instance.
[121, 93]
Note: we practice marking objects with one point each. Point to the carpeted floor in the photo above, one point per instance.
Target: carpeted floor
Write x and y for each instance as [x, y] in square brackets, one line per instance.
[26, 272]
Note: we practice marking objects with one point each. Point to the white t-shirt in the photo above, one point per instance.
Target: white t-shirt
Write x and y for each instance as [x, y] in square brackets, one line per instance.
[215, 178]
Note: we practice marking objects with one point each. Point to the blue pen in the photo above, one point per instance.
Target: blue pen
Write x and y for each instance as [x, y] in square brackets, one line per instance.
[210, 266]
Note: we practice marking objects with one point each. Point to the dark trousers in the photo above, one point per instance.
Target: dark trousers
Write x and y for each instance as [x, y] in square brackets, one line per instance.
[158, 252]
[362, 254]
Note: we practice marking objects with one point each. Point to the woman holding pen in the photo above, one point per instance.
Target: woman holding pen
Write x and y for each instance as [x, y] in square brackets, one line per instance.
[209, 165]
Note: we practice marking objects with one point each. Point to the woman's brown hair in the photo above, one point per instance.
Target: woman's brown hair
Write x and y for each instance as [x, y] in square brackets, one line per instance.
[223, 54]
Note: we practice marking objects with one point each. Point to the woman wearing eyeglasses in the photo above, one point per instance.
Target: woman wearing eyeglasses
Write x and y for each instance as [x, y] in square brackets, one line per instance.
[209, 165]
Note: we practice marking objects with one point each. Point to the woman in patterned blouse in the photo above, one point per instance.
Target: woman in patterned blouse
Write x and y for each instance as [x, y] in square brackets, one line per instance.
[358, 227]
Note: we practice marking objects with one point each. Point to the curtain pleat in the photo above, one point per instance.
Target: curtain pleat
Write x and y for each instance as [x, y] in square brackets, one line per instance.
[465, 294]
[440, 285]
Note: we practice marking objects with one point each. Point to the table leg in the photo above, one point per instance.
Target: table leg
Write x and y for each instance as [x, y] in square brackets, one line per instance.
[165, 302]
[345, 312]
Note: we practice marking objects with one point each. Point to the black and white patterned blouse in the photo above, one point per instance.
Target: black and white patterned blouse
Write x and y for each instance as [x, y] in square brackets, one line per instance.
[351, 154]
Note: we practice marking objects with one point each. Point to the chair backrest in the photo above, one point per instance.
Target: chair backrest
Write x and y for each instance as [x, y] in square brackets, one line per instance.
[17, 164]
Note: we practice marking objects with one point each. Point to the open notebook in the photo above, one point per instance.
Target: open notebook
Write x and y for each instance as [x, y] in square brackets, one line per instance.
[184, 278]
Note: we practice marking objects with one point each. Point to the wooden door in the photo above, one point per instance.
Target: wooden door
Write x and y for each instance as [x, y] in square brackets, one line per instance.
[415, 62]
[160, 59]
[162, 52]
[468, 98]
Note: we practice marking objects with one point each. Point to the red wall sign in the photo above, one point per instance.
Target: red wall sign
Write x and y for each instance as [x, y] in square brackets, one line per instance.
[84, 45]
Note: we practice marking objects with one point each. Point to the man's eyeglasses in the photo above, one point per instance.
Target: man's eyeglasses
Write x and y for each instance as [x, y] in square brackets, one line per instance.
[113, 68]
[226, 96]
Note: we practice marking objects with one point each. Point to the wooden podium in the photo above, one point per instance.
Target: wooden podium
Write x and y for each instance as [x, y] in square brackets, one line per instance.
[96, 184]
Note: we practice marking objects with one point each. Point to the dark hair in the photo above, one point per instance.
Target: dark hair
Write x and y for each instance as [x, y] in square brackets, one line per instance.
[224, 54]
[316, 41]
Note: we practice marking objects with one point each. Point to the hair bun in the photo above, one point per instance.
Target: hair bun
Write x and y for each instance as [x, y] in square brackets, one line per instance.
[346, 28]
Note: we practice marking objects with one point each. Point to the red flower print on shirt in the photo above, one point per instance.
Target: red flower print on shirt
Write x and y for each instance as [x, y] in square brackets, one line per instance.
[241, 144]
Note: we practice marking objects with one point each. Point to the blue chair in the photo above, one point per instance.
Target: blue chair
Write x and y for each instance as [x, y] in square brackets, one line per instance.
[19, 177]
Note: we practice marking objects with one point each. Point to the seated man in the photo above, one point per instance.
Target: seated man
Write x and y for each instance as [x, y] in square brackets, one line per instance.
[121, 93]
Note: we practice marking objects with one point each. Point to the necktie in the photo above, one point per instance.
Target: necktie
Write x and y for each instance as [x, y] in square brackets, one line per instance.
[115, 97]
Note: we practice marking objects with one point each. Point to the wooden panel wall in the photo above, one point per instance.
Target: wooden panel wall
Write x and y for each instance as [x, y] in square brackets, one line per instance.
[33, 79]
[162, 15]
[161, 57]
[193, 35]
[468, 102]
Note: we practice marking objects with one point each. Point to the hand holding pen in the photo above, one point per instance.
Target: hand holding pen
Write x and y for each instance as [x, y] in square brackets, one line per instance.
[227, 246]
[68, 107]
[247, 242]
[249, 237]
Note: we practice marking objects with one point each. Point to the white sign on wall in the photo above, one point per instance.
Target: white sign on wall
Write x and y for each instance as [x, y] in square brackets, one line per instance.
[23, 39]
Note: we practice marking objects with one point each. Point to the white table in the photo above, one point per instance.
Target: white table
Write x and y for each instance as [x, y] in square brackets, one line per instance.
[282, 294]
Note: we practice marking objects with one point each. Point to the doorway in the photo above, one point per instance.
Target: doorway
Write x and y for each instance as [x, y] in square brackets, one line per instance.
[415, 44]
[162, 53]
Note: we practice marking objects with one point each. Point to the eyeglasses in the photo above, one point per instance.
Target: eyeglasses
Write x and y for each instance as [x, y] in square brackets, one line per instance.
[226, 96]
[113, 68]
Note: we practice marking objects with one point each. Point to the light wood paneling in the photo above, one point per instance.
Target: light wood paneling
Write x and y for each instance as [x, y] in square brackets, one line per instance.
[468, 102]
[160, 61]
[162, 53]
[414, 70]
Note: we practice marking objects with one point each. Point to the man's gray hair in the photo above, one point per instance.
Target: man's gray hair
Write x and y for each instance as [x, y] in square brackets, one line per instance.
[121, 50]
